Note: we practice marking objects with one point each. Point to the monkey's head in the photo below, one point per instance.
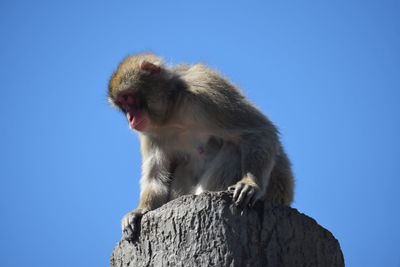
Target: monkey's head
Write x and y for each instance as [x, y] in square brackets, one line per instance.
[144, 90]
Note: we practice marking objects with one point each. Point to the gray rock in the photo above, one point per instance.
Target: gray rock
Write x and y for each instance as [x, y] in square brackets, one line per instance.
[209, 230]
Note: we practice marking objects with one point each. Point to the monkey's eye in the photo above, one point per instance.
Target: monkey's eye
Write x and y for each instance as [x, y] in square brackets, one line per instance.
[126, 101]
[125, 97]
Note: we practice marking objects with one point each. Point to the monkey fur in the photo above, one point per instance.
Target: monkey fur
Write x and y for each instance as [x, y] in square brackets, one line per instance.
[197, 133]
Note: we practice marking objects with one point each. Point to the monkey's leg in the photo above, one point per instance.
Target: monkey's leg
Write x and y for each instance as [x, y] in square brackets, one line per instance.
[223, 171]
[153, 196]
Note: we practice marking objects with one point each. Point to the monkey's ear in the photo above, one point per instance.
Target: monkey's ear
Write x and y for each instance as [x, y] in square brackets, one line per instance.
[146, 65]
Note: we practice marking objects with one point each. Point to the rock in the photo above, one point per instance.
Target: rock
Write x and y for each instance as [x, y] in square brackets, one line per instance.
[209, 230]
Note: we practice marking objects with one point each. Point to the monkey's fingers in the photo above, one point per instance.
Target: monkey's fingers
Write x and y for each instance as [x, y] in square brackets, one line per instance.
[250, 195]
[127, 233]
[246, 194]
[237, 188]
[130, 225]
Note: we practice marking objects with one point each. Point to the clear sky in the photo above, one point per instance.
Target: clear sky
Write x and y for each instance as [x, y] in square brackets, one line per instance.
[326, 72]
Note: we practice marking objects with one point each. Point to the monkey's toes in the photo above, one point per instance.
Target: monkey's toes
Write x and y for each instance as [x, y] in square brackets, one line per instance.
[131, 225]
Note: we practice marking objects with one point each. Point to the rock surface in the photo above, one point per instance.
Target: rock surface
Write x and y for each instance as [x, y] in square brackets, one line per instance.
[209, 230]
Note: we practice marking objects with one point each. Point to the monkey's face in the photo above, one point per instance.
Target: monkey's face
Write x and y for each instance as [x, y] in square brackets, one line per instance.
[141, 89]
[131, 104]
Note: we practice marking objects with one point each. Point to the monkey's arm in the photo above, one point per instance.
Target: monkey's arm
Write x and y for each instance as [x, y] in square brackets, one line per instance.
[151, 197]
[258, 154]
[154, 188]
[222, 107]
[259, 147]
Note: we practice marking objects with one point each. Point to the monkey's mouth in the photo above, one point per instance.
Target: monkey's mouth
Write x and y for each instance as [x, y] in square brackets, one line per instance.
[130, 105]
[136, 119]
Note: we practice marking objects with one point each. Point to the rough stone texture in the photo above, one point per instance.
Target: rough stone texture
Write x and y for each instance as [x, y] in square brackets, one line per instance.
[209, 230]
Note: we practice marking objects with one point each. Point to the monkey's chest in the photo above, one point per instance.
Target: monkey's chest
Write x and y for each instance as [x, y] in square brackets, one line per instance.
[192, 162]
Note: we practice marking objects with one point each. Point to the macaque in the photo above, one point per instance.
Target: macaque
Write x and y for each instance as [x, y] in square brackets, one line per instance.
[197, 133]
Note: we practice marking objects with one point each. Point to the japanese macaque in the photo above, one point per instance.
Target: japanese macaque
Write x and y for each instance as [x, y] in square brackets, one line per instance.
[197, 133]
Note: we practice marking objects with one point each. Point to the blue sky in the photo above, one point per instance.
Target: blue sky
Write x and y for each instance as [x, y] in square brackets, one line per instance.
[326, 72]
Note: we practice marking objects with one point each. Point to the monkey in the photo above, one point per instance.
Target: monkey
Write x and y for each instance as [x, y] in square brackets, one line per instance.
[197, 133]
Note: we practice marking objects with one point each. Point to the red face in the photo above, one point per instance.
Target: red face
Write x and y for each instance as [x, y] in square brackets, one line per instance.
[137, 118]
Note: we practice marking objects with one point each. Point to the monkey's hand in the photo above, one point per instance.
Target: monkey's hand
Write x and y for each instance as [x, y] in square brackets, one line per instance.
[245, 194]
[131, 224]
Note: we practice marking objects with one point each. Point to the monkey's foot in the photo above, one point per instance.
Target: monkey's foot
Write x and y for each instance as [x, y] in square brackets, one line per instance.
[244, 194]
[131, 224]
